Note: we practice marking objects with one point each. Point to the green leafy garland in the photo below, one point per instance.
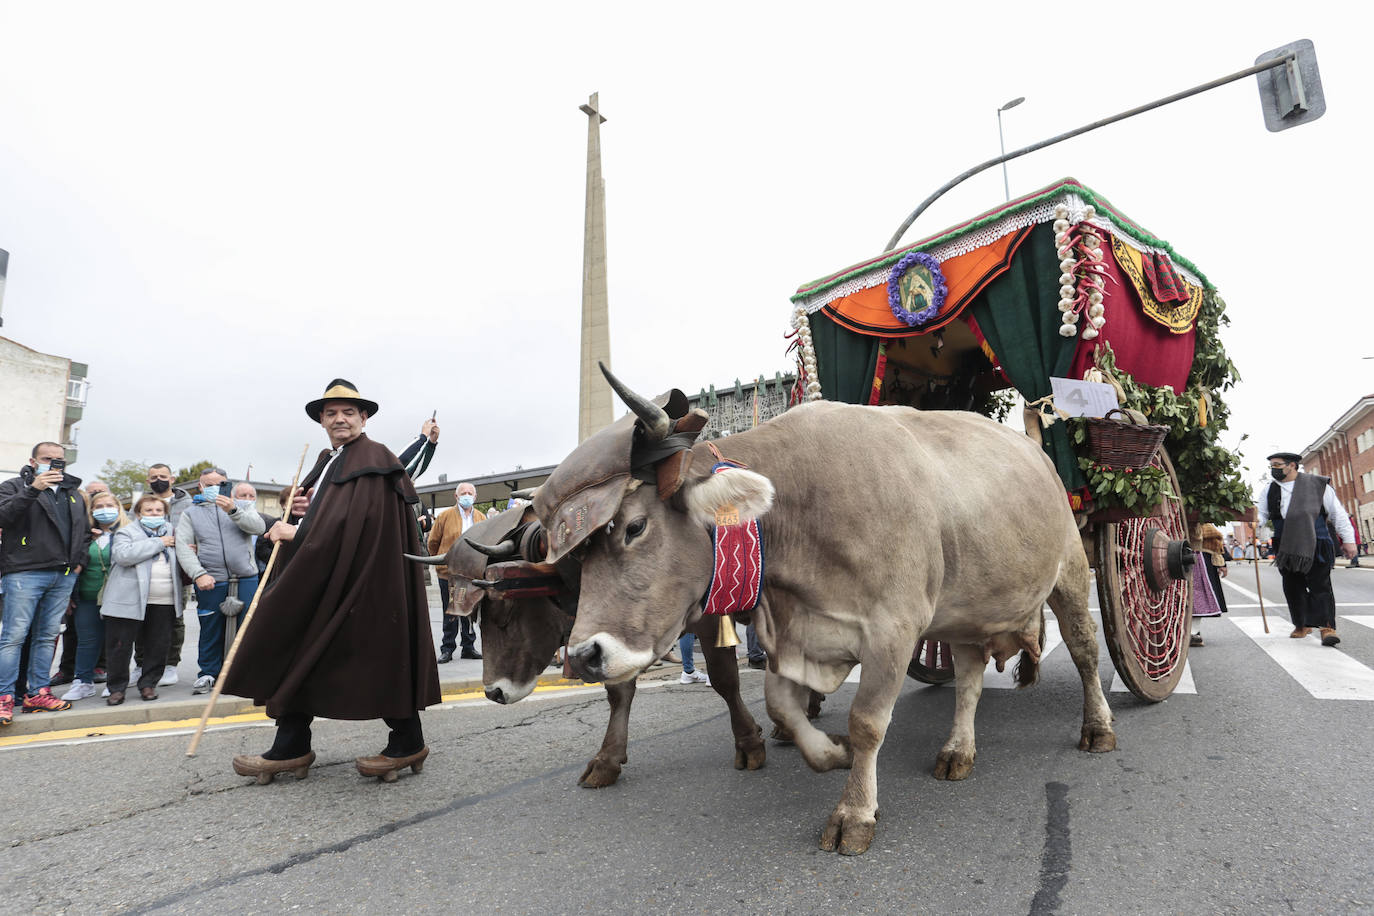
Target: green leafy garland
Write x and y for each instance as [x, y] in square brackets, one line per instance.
[1134, 489]
[1209, 474]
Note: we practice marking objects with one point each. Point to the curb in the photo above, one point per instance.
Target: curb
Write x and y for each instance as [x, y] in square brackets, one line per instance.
[97, 719]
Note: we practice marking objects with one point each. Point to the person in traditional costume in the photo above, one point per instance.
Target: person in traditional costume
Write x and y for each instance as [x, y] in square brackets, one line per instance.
[1208, 598]
[342, 630]
[1299, 505]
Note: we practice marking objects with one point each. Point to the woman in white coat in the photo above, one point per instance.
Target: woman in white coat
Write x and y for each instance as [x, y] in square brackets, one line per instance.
[142, 597]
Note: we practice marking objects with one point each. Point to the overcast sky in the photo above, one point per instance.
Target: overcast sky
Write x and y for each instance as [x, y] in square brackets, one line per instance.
[220, 207]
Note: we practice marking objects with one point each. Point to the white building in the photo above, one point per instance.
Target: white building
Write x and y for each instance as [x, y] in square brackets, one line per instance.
[41, 397]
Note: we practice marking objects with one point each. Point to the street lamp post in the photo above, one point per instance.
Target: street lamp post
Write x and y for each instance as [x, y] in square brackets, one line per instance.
[1006, 186]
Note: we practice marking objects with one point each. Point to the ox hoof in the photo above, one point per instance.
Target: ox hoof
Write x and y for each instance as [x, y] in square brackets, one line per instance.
[848, 834]
[751, 754]
[1097, 739]
[781, 733]
[954, 765]
[599, 774]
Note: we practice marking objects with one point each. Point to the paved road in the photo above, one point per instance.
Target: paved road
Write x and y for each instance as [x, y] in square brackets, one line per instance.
[1250, 795]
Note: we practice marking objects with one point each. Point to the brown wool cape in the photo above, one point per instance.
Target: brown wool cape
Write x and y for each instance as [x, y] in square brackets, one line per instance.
[342, 631]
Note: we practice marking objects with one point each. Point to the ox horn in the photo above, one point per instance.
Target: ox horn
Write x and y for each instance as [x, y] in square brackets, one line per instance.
[501, 551]
[655, 419]
[483, 583]
[527, 493]
[430, 561]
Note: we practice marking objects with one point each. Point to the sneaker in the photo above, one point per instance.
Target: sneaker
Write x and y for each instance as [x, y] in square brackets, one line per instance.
[100, 676]
[758, 663]
[44, 701]
[6, 708]
[204, 684]
[135, 673]
[105, 692]
[694, 677]
[169, 677]
[80, 690]
[60, 678]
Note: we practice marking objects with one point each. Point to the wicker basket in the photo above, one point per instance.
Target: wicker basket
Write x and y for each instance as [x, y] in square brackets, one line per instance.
[1123, 443]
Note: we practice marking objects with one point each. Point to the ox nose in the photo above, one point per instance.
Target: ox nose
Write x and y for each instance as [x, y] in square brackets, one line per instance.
[496, 694]
[588, 661]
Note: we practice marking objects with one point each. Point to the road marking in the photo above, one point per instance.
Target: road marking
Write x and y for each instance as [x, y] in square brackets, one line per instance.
[1362, 620]
[1326, 673]
[1185, 681]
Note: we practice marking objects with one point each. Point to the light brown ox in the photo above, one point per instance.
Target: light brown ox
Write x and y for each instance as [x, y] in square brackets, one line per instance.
[881, 524]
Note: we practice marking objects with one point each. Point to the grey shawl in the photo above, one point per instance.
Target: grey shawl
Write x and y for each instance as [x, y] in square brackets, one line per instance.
[1299, 541]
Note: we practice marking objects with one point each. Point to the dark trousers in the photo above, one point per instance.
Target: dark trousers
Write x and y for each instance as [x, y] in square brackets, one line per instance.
[452, 625]
[1311, 602]
[174, 643]
[293, 737]
[153, 633]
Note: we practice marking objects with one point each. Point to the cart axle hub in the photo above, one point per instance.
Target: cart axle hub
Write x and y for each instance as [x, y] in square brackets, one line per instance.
[1165, 561]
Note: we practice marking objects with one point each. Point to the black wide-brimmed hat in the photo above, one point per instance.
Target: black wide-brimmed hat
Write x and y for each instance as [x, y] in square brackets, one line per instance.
[1291, 457]
[340, 390]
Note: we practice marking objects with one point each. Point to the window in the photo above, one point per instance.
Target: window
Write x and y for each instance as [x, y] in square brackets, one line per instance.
[1364, 440]
[1367, 481]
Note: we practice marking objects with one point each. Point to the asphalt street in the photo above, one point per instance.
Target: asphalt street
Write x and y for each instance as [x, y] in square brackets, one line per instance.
[1249, 795]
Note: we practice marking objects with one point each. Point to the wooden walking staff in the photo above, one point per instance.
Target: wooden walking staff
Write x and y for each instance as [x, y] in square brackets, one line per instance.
[1254, 545]
[247, 618]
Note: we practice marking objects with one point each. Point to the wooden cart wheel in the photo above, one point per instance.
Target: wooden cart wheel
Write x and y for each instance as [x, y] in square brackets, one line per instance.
[1146, 629]
[931, 662]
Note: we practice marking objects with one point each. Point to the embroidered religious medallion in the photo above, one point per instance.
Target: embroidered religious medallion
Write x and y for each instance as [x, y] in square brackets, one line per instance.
[916, 288]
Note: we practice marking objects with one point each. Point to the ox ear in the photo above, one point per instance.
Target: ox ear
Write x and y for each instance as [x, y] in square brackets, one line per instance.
[749, 493]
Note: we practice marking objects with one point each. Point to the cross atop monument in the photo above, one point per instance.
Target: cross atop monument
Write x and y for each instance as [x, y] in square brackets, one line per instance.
[595, 407]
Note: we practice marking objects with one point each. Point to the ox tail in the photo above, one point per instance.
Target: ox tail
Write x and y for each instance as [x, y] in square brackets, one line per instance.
[1027, 669]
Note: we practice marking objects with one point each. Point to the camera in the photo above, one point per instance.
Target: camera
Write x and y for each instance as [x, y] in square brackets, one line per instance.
[57, 464]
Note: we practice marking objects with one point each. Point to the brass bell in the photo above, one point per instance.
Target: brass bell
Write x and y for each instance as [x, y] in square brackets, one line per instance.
[726, 638]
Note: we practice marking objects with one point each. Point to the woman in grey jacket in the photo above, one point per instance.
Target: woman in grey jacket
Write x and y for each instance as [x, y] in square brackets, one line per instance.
[142, 597]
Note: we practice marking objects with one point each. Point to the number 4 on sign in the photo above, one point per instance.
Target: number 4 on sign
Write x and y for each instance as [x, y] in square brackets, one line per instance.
[1083, 399]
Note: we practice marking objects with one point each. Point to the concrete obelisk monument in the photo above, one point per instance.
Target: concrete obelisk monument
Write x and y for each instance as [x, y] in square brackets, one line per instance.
[595, 409]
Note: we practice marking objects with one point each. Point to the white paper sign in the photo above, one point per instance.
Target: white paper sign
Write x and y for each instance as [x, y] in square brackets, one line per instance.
[1083, 399]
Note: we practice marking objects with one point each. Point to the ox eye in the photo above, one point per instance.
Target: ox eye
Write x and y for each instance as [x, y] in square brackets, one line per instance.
[635, 529]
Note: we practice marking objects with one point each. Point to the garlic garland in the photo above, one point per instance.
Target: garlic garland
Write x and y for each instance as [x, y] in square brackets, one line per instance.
[808, 354]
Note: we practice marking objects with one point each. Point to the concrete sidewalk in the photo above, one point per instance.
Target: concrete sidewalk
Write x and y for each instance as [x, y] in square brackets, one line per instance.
[176, 704]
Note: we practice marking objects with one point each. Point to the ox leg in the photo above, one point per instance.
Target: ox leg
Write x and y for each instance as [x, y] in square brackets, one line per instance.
[852, 824]
[955, 759]
[1069, 601]
[723, 669]
[786, 701]
[604, 769]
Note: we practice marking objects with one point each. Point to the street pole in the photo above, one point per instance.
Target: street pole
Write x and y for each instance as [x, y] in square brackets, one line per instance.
[1006, 186]
[1260, 67]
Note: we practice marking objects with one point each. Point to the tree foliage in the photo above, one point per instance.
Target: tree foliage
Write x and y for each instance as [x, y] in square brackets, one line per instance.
[194, 471]
[125, 477]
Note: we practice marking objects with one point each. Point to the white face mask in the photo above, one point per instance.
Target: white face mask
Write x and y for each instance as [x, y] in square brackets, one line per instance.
[244, 503]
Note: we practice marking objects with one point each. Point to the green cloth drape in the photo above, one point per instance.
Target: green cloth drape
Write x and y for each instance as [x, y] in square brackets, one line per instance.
[1019, 315]
[845, 361]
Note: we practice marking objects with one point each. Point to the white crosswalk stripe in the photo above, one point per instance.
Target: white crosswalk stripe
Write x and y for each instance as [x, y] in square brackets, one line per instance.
[1326, 673]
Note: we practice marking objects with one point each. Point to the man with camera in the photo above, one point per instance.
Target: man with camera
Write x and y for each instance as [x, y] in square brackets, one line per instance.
[215, 548]
[46, 538]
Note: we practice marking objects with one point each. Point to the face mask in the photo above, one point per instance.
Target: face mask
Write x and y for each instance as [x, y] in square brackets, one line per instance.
[466, 501]
[244, 503]
[153, 522]
[1279, 473]
[105, 515]
[210, 492]
[42, 469]
[160, 486]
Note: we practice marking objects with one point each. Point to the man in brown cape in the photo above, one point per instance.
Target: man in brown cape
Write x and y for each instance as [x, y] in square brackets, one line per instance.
[342, 630]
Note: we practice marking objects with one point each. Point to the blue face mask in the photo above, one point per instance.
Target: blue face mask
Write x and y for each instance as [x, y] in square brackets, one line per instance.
[105, 515]
[42, 469]
[153, 522]
[210, 491]
[244, 504]
[466, 501]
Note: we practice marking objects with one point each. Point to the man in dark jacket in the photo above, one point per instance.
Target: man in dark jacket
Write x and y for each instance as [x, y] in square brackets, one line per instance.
[46, 537]
[343, 630]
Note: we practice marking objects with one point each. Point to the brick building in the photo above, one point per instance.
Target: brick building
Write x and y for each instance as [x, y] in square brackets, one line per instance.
[1345, 453]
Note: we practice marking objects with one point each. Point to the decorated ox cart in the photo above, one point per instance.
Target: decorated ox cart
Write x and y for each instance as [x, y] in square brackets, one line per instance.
[1058, 284]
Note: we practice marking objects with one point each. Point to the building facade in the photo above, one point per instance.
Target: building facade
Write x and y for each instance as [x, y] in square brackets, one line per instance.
[42, 397]
[1345, 453]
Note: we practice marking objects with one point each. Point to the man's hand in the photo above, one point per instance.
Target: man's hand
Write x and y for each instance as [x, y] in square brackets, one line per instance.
[1348, 550]
[300, 503]
[205, 582]
[47, 479]
[281, 531]
[224, 503]
[430, 430]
